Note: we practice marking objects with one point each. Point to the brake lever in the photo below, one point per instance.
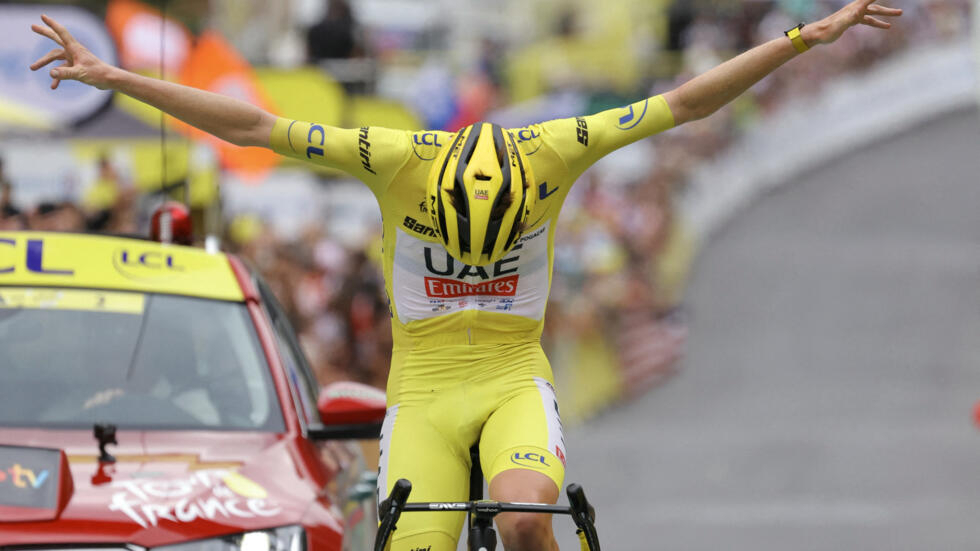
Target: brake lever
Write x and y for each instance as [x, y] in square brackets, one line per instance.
[390, 511]
[583, 514]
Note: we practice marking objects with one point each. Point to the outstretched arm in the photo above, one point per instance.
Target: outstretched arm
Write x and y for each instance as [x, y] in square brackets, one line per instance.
[710, 91]
[582, 141]
[232, 120]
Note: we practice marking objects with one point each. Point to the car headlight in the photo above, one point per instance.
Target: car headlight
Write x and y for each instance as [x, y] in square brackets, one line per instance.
[287, 538]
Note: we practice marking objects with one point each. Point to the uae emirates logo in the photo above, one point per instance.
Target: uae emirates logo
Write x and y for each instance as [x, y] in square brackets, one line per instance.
[482, 194]
[437, 287]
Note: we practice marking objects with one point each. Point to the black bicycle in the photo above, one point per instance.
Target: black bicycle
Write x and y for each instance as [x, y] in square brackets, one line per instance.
[480, 513]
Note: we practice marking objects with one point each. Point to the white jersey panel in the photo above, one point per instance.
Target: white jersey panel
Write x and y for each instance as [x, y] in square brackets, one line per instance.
[556, 433]
[427, 282]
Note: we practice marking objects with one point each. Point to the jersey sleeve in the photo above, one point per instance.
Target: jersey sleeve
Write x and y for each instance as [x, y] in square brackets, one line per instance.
[372, 154]
[581, 141]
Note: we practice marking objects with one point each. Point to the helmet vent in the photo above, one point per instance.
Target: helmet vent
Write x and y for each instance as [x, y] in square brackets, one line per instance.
[457, 197]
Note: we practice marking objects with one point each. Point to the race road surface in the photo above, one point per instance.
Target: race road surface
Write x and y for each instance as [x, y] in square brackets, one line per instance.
[834, 361]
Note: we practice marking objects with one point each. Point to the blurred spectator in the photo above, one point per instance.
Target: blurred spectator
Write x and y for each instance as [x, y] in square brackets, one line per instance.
[6, 192]
[679, 17]
[334, 37]
[101, 196]
[10, 216]
[61, 217]
[12, 220]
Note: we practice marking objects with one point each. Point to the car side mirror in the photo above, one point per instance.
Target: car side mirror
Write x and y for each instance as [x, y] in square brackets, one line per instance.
[349, 410]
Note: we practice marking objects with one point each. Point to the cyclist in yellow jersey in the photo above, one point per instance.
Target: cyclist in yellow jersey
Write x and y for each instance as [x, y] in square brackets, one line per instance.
[469, 228]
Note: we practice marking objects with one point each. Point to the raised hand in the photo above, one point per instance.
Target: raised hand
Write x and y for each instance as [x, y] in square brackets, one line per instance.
[859, 12]
[79, 63]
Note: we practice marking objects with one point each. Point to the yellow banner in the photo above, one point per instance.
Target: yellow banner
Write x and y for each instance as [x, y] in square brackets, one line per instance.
[41, 298]
[118, 264]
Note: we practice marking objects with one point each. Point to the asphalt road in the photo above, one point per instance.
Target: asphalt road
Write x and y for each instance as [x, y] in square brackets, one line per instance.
[826, 399]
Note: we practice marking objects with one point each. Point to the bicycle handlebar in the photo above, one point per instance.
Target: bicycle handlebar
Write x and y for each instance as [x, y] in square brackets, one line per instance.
[579, 509]
[488, 507]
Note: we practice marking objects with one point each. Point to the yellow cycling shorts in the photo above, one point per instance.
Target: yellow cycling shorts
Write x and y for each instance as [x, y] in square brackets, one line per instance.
[441, 402]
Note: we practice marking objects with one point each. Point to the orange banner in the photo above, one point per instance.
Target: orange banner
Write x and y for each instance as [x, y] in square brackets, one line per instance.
[137, 30]
[214, 65]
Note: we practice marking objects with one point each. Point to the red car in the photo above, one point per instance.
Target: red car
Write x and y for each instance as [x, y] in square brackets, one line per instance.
[155, 396]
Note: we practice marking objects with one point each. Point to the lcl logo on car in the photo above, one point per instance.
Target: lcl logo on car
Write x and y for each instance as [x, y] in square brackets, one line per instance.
[33, 260]
[135, 264]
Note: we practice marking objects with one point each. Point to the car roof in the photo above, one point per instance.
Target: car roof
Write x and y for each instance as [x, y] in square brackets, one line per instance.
[115, 263]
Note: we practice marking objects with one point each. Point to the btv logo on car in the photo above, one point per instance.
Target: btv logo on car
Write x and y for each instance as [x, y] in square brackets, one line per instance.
[28, 477]
[19, 476]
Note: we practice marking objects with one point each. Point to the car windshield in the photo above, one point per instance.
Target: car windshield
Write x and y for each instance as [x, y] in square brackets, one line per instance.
[71, 358]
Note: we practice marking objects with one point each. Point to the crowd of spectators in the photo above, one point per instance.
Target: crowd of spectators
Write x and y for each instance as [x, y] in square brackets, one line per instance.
[614, 234]
[109, 205]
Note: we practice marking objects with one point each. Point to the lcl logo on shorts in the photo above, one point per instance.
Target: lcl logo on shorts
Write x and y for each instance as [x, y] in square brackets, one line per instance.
[529, 459]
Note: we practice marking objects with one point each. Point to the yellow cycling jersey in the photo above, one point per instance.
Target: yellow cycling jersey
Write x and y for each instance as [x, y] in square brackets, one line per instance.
[434, 299]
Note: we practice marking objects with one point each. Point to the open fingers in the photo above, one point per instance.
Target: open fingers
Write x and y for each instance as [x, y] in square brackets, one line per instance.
[57, 53]
[55, 81]
[66, 38]
[875, 22]
[64, 72]
[45, 31]
[877, 9]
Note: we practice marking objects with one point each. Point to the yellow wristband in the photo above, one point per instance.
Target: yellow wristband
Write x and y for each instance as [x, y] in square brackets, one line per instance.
[796, 37]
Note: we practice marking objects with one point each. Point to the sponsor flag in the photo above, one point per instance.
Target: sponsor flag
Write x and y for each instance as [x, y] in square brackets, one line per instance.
[137, 28]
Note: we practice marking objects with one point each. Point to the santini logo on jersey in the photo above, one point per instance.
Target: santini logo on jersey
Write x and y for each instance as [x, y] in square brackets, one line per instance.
[364, 148]
[582, 131]
[437, 287]
[419, 227]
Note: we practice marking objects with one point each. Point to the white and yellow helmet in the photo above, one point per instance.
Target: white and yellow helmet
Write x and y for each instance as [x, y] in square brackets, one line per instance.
[481, 191]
